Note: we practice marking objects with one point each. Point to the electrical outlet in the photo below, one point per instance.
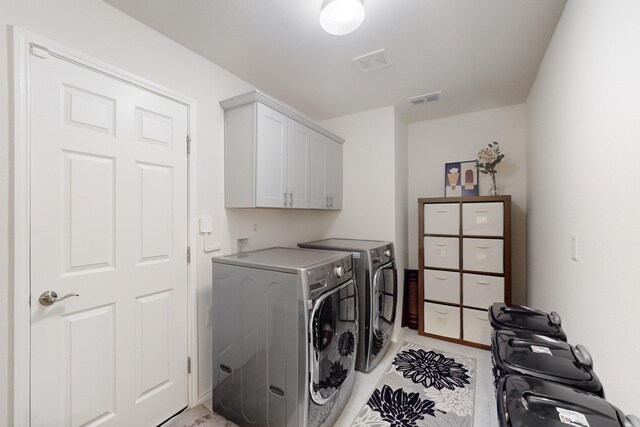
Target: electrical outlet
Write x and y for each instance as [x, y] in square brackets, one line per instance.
[242, 244]
[574, 247]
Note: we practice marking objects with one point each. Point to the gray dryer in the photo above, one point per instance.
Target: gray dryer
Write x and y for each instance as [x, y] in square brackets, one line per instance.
[377, 282]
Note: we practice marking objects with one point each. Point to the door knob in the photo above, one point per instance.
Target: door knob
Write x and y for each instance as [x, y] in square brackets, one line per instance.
[49, 297]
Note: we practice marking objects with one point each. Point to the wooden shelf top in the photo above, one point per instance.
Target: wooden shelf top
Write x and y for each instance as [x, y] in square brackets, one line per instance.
[474, 199]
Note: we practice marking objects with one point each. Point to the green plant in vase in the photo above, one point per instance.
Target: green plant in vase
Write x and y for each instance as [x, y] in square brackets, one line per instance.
[488, 159]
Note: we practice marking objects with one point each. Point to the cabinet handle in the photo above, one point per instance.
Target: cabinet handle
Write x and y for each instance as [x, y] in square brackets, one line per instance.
[327, 202]
[442, 211]
[441, 312]
[481, 210]
[291, 199]
[482, 282]
[285, 200]
[484, 319]
[441, 278]
[330, 201]
[481, 247]
[441, 244]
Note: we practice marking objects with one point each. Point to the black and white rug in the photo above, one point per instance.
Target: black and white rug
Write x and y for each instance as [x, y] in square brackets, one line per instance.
[422, 387]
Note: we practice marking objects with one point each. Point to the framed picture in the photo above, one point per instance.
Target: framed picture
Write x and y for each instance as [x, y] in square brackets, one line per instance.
[460, 179]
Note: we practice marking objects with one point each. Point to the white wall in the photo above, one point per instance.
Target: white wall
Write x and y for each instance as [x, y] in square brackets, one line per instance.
[98, 30]
[401, 220]
[374, 177]
[433, 143]
[583, 117]
[369, 177]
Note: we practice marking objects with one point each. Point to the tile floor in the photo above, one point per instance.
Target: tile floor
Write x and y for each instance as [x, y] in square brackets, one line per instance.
[484, 408]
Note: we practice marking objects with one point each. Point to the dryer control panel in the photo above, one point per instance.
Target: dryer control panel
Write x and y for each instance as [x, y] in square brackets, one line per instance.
[322, 278]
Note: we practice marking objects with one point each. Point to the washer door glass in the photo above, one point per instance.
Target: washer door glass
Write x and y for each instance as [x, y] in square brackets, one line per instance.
[385, 289]
[334, 331]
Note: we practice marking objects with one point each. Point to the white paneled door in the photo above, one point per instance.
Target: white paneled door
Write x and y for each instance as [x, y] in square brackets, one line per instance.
[109, 223]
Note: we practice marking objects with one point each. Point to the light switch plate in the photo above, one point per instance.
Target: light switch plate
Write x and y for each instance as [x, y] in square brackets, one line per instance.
[206, 224]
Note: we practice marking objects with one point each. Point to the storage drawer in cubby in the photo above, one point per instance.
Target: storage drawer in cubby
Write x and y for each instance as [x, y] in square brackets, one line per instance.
[442, 286]
[476, 326]
[443, 320]
[482, 291]
[483, 255]
[483, 219]
[442, 218]
[442, 252]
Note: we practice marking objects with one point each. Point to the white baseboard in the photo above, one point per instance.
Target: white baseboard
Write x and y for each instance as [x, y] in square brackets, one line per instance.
[205, 399]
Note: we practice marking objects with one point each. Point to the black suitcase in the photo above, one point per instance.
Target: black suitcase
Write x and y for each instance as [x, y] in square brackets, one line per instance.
[521, 318]
[523, 353]
[531, 402]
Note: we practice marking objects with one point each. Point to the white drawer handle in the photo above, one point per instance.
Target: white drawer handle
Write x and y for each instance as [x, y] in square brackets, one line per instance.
[481, 210]
[482, 282]
[441, 278]
[441, 312]
[442, 211]
[481, 247]
[441, 244]
[483, 319]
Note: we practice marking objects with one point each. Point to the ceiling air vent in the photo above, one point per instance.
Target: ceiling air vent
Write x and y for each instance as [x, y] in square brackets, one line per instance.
[421, 99]
[372, 61]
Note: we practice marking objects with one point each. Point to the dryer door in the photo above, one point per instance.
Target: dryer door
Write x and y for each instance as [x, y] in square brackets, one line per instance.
[333, 327]
[385, 290]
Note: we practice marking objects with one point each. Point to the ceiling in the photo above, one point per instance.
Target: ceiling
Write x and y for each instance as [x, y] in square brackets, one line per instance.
[480, 53]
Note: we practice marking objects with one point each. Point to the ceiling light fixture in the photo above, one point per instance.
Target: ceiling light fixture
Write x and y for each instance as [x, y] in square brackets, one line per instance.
[339, 17]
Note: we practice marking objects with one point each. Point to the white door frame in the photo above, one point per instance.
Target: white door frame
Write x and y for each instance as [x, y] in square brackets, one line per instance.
[22, 42]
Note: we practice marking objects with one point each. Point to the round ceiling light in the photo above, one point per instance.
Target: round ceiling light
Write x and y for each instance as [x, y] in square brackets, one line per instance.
[339, 17]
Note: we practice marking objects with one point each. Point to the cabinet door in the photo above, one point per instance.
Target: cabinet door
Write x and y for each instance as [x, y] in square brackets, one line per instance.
[317, 161]
[297, 164]
[333, 174]
[271, 157]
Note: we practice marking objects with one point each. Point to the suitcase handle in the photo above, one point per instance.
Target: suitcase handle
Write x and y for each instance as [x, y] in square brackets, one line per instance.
[519, 310]
[583, 356]
[554, 318]
[632, 421]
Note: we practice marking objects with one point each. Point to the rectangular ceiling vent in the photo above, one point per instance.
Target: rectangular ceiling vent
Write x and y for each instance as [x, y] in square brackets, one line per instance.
[421, 99]
[372, 61]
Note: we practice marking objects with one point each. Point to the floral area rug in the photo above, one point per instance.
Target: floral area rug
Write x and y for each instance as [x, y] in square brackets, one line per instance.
[422, 387]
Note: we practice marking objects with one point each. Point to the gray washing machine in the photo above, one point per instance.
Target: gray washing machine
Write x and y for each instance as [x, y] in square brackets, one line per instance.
[377, 283]
[285, 331]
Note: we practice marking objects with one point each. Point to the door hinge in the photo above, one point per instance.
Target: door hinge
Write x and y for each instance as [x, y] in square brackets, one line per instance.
[188, 365]
[188, 144]
[188, 254]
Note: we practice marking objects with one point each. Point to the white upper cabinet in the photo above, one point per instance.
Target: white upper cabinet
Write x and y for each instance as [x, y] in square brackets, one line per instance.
[298, 164]
[277, 158]
[271, 159]
[333, 174]
[325, 173]
[317, 175]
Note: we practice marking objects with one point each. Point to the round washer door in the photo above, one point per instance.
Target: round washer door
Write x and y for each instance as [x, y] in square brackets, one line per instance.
[333, 328]
[384, 295]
